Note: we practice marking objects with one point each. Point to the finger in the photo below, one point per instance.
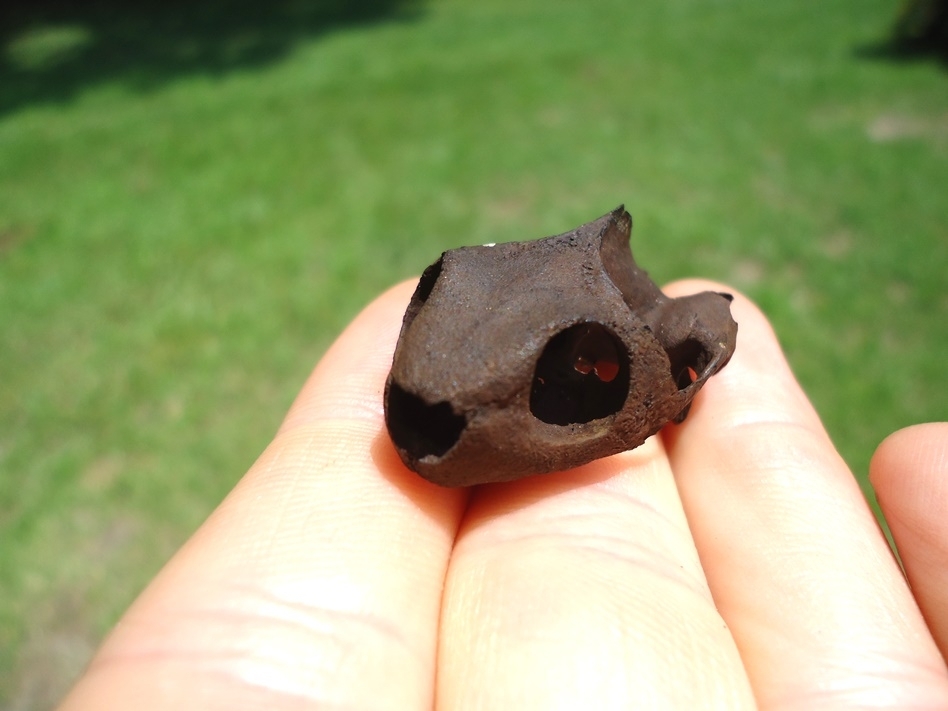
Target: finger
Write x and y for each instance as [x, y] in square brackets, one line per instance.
[794, 558]
[583, 590]
[910, 475]
[316, 582]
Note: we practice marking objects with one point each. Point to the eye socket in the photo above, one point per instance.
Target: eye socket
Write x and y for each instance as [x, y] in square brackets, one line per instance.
[423, 289]
[686, 360]
[582, 375]
[427, 281]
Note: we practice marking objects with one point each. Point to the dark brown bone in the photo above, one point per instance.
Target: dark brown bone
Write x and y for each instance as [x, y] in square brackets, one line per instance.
[531, 357]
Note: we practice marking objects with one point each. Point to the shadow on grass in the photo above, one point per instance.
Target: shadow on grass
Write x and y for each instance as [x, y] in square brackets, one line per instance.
[52, 49]
[892, 51]
[919, 33]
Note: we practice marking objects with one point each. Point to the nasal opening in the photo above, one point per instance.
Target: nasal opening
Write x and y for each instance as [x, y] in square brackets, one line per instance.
[419, 428]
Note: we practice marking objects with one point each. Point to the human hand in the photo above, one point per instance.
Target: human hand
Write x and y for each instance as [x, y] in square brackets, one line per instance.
[730, 562]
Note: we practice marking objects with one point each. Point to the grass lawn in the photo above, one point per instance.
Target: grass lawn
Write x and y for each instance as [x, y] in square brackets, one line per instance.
[194, 202]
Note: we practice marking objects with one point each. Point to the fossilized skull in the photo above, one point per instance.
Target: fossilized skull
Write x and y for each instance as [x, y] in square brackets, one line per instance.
[531, 357]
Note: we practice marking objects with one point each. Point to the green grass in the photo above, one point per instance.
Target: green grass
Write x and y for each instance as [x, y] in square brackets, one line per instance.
[185, 224]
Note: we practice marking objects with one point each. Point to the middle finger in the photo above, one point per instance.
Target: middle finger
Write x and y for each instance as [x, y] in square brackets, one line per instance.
[583, 589]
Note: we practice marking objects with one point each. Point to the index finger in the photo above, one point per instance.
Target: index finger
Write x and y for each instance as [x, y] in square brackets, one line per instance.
[318, 579]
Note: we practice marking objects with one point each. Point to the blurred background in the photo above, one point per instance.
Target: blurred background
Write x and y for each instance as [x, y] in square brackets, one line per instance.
[196, 197]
